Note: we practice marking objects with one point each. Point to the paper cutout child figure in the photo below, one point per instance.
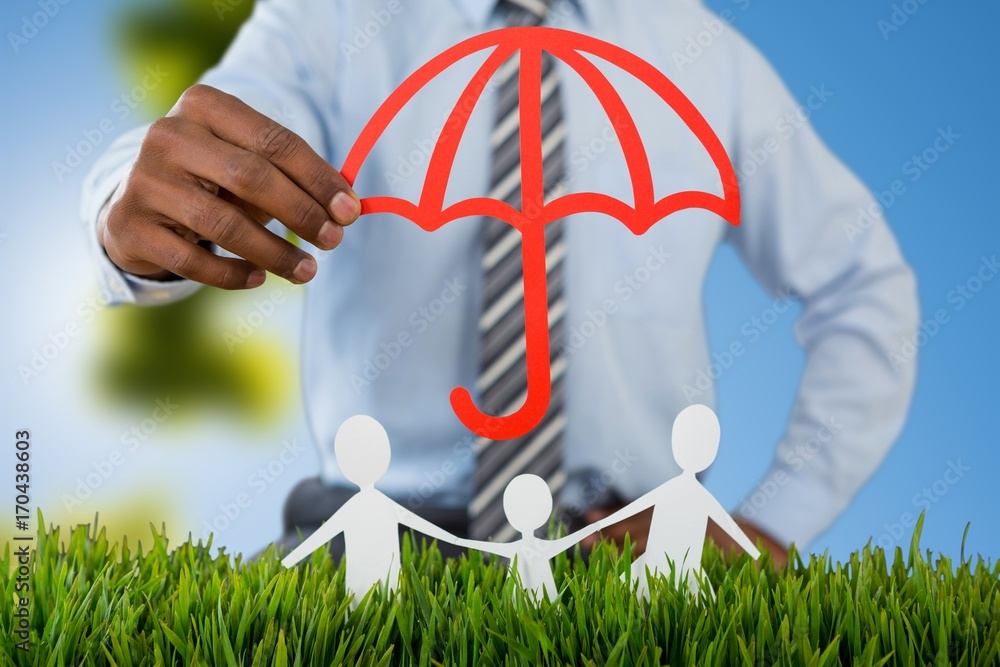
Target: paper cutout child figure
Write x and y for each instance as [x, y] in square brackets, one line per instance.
[682, 506]
[369, 520]
[527, 502]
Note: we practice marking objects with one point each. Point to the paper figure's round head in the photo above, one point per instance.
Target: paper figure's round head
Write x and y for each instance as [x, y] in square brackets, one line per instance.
[695, 438]
[362, 449]
[527, 501]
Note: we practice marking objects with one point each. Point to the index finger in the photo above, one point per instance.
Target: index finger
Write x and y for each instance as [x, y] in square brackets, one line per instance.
[235, 122]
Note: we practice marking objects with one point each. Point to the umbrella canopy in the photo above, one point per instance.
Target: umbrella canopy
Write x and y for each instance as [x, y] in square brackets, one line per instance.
[430, 212]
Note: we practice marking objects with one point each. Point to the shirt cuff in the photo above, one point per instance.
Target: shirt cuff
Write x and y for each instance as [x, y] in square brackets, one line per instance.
[122, 287]
[117, 286]
[790, 507]
[148, 292]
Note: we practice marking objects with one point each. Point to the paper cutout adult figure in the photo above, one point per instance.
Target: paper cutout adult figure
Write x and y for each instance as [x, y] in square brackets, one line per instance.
[527, 502]
[369, 520]
[682, 506]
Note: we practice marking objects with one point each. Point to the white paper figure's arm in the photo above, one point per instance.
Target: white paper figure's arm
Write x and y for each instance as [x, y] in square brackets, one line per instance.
[408, 518]
[639, 504]
[567, 542]
[719, 514]
[505, 549]
[329, 530]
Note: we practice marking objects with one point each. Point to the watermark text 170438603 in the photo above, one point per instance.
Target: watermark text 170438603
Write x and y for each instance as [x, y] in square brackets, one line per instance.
[22, 522]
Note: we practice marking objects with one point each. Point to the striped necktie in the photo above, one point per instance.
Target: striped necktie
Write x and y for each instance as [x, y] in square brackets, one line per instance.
[502, 381]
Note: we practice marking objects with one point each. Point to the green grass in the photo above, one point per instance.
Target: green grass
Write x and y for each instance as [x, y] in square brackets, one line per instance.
[93, 603]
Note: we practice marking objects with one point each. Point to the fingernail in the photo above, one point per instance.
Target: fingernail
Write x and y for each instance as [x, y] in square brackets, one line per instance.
[305, 270]
[329, 235]
[345, 208]
[256, 278]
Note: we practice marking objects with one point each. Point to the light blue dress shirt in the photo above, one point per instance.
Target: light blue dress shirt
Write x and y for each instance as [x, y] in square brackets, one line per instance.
[390, 319]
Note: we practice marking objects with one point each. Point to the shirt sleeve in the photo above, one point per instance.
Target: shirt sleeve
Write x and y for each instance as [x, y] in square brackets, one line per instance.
[811, 229]
[282, 63]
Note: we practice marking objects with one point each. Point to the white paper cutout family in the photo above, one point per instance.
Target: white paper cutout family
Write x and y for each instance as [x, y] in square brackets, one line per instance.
[370, 520]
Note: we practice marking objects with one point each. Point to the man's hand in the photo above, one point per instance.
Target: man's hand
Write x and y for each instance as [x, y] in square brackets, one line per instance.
[215, 169]
[637, 528]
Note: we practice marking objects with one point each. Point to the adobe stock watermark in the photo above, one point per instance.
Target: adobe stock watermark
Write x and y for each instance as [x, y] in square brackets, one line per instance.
[712, 29]
[899, 16]
[259, 481]
[751, 331]
[121, 108]
[624, 289]
[597, 486]
[914, 169]
[131, 439]
[283, 115]
[582, 157]
[755, 157]
[363, 35]
[420, 320]
[922, 501]
[32, 24]
[223, 7]
[462, 451]
[41, 357]
[559, 13]
[796, 460]
[408, 162]
[586, 153]
[247, 325]
[957, 298]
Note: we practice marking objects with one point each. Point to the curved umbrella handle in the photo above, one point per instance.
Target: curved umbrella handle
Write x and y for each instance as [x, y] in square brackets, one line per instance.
[536, 327]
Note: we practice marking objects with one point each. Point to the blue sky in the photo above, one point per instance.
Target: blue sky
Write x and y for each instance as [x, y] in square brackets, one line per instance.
[895, 92]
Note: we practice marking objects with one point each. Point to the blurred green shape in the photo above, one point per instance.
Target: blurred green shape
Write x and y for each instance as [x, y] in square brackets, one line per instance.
[183, 37]
[178, 350]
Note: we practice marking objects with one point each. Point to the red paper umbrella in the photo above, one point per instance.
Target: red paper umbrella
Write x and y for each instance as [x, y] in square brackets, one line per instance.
[430, 212]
